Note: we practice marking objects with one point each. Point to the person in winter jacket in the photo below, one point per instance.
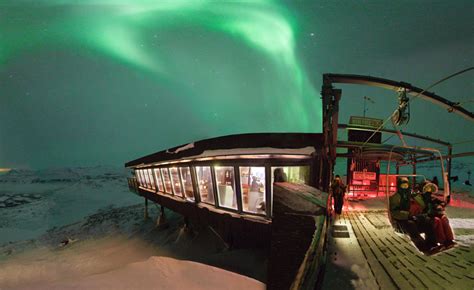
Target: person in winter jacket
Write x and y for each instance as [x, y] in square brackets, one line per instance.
[338, 190]
[435, 209]
[406, 210]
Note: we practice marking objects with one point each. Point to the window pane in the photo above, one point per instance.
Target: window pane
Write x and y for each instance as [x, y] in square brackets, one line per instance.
[252, 184]
[206, 191]
[145, 181]
[176, 182]
[293, 174]
[158, 179]
[147, 178]
[226, 186]
[167, 181]
[187, 183]
[142, 172]
[150, 176]
[139, 177]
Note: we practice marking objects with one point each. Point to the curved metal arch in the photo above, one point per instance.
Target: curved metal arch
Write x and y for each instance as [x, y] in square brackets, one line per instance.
[394, 85]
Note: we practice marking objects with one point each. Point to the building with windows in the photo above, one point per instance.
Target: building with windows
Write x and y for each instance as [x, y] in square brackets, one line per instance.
[231, 174]
[253, 190]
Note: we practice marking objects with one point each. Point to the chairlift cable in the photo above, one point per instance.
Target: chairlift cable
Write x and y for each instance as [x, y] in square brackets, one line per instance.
[442, 80]
[463, 142]
[383, 142]
[436, 83]
[457, 143]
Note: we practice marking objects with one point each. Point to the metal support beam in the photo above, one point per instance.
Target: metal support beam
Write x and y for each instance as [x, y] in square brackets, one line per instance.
[395, 86]
[330, 110]
[334, 123]
[457, 155]
[384, 130]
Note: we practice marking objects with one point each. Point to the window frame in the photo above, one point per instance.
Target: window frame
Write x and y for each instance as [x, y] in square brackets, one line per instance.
[164, 182]
[159, 181]
[182, 183]
[212, 184]
[152, 179]
[142, 176]
[264, 193]
[218, 204]
[179, 182]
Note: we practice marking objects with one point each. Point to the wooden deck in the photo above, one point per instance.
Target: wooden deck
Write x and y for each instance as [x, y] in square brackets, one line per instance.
[393, 260]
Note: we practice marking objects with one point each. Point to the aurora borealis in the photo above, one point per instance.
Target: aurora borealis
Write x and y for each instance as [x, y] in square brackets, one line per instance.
[106, 81]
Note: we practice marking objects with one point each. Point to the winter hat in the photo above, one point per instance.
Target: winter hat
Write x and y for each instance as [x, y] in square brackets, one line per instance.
[430, 187]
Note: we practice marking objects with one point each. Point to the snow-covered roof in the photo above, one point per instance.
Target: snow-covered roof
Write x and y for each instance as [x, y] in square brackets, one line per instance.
[257, 145]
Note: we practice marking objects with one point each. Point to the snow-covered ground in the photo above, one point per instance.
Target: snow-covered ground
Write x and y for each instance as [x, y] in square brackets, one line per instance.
[82, 228]
[113, 263]
[32, 202]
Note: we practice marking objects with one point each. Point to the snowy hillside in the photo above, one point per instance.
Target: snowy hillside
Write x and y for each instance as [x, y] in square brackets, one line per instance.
[33, 201]
[82, 228]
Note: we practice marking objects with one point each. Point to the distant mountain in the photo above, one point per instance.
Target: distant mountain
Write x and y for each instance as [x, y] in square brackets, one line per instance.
[57, 175]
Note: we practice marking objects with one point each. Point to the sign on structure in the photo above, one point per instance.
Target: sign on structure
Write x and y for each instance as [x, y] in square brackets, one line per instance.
[365, 121]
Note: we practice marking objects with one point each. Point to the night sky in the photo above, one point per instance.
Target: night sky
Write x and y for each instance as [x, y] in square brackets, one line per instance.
[107, 81]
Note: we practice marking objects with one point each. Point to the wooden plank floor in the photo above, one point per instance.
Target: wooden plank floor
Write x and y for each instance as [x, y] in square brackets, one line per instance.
[396, 263]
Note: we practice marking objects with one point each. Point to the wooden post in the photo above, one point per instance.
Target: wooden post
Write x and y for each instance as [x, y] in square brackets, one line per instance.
[161, 222]
[146, 209]
[187, 227]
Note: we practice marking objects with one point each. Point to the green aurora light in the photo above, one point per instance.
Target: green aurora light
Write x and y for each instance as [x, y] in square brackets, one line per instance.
[120, 29]
[104, 81]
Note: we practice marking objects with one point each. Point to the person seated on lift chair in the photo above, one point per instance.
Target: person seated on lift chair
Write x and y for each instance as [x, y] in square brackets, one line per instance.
[435, 210]
[406, 210]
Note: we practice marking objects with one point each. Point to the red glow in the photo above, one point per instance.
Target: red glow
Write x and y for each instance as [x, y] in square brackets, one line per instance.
[460, 203]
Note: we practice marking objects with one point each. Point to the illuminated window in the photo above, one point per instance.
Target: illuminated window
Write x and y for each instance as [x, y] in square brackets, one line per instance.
[187, 183]
[175, 181]
[139, 177]
[142, 174]
[293, 174]
[158, 179]
[150, 177]
[252, 184]
[206, 191]
[147, 178]
[226, 186]
[167, 180]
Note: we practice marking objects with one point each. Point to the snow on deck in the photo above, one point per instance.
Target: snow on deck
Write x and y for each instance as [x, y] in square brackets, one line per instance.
[366, 253]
